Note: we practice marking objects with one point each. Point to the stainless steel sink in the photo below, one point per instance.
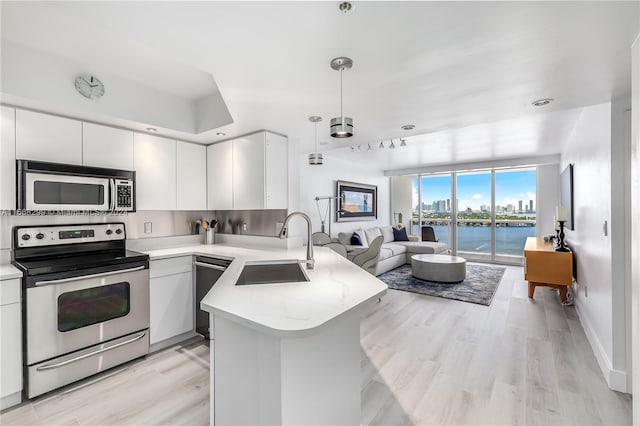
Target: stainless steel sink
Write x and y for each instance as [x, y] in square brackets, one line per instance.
[275, 272]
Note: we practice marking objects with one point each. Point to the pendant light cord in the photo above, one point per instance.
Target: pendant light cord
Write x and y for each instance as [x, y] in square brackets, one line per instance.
[341, 69]
[316, 124]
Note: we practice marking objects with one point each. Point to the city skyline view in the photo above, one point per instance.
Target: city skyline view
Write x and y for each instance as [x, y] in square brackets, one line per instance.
[515, 192]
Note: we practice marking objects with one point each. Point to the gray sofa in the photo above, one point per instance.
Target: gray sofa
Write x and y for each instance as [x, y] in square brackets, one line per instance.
[392, 253]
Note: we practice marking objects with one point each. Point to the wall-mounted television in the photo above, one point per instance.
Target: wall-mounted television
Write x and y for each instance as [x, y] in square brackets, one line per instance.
[566, 195]
[356, 201]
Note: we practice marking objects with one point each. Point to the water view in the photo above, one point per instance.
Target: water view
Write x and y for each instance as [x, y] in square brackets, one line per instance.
[477, 239]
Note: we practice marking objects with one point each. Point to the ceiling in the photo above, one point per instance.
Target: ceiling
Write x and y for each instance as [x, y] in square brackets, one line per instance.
[437, 65]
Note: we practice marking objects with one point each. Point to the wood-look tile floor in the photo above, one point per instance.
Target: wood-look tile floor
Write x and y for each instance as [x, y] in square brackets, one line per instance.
[425, 360]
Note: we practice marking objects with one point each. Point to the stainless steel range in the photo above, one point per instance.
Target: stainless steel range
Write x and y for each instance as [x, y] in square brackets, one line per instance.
[85, 302]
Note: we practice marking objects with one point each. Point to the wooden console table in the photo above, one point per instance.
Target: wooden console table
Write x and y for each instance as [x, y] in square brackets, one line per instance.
[543, 266]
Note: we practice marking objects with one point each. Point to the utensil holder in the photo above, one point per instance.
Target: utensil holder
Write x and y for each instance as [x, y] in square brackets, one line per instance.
[209, 236]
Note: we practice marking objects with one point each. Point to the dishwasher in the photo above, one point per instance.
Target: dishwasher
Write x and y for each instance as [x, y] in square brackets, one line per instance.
[208, 270]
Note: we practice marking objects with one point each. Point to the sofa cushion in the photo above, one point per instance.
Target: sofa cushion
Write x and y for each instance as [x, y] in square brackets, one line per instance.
[372, 233]
[385, 253]
[344, 238]
[387, 234]
[363, 237]
[396, 249]
[423, 247]
[400, 234]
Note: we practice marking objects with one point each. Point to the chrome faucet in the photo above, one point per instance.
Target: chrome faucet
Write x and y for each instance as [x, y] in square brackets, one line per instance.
[283, 232]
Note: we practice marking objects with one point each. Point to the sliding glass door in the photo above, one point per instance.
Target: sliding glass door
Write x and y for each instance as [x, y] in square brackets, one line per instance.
[436, 208]
[515, 212]
[474, 215]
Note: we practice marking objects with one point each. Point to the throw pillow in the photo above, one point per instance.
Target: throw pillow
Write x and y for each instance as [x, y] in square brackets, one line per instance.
[345, 238]
[363, 237]
[387, 234]
[355, 239]
[400, 234]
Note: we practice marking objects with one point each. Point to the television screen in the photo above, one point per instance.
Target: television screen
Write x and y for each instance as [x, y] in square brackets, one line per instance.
[566, 194]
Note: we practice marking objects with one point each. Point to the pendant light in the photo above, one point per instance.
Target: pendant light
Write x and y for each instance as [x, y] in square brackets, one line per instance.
[341, 127]
[316, 158]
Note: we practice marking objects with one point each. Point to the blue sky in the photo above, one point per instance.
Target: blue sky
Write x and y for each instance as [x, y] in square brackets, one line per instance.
[474, 189]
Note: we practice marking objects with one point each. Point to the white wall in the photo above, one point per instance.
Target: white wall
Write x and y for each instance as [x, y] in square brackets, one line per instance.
[594, 149]
[547, 198]
[635, 210]
[402, 199]
[321, 181]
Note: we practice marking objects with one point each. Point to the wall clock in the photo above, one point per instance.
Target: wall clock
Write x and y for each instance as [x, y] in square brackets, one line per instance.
[89, 86]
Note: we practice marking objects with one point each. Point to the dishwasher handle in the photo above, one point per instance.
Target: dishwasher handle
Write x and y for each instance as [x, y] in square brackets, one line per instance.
[210, 266]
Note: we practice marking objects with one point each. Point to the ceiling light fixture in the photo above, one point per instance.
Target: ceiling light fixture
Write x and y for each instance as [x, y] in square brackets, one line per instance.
[345, 6]
[369, 149]
[391, 145]
[381, 146]
[542, 102]
[221, 134]
[341, 127]
[408, 127]
[152, 129]
[316, 158]
[403, 143]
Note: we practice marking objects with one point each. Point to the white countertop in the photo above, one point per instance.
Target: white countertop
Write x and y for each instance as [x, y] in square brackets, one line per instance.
[336, 287]
[8, 272]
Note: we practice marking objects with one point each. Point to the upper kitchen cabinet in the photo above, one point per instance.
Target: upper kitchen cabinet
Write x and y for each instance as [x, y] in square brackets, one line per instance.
[44, 137]
[104, 146]
[7, 158]
[260, 172]
[155, 166]
[191, 165]
[220, 176]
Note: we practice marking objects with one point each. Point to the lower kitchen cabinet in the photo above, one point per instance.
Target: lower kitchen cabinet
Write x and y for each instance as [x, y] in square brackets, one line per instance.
[10, 344]
[171, 306]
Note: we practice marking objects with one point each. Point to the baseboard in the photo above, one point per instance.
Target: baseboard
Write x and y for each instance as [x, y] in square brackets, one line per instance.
[172, 341]
[616, 379]
[10, 400]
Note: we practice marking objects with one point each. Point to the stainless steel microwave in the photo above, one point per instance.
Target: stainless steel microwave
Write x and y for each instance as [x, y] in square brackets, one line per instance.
[54, 186]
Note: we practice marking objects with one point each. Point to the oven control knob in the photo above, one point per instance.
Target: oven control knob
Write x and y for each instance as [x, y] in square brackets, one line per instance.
[26, 237]
[39, 235]
[118, 231]
[109, 231]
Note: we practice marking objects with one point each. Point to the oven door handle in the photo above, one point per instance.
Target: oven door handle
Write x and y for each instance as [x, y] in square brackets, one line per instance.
[210, 266]
[89, 354]
[86, 277]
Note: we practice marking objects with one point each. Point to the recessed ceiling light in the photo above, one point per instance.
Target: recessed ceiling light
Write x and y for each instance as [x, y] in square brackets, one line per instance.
[152, 129]
[221, 134]
[323, 143]
[345, 6]
[408, 127]
[542, 102]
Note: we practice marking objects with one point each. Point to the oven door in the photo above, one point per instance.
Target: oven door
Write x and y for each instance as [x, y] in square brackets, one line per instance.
[64, 315]
[61, 192]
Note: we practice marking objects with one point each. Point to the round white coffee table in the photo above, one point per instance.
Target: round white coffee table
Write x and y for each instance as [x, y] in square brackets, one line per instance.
[440, 268]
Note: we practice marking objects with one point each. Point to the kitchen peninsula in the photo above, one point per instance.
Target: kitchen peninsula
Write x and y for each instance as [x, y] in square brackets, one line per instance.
[285, 353]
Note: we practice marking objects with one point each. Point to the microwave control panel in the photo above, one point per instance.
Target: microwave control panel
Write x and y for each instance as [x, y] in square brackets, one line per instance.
[124, 195]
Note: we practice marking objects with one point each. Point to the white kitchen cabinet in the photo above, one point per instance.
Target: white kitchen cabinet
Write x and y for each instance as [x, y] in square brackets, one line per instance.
[220, 176]
[104, 146]
[248, 172]
[10, 344]
[276, 190]
[155, 166]
[191, 168]
[44, 137]
[260, 172]
[171, 298]
[7, 158]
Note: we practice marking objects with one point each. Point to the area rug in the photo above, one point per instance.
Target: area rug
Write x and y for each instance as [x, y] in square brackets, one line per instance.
[479, 287]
